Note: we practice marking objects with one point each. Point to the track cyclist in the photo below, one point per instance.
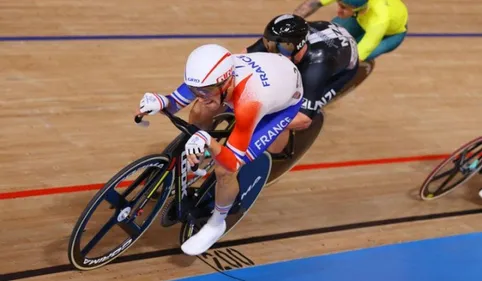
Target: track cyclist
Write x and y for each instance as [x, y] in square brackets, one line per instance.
[379, 26]
[325, 54]
[265, 93]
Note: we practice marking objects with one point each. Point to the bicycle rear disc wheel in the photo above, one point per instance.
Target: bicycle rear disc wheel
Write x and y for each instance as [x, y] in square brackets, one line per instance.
[454, 171]
[128, 213]
[303, 140]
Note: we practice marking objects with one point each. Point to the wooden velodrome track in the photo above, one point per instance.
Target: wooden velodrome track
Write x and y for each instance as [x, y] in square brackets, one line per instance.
[66, 120]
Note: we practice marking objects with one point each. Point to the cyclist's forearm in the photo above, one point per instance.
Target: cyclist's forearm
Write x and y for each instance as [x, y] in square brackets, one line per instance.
[224, 156]
[307, 8]
[180, 98]
[215, 147]
[173, 107]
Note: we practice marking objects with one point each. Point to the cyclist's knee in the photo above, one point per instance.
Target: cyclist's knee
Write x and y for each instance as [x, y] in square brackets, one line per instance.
[224, 175]
[222, 172]
[375, 54]
[280, 142]
[300, 122]
[387, 45]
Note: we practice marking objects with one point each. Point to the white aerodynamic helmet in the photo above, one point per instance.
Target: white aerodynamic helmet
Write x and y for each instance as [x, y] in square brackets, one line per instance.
[208, 65]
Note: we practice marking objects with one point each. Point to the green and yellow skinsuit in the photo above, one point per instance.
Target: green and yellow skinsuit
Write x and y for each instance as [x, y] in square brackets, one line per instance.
[378, 30]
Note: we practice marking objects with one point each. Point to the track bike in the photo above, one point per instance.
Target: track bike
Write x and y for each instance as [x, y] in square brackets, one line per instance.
[183, 196]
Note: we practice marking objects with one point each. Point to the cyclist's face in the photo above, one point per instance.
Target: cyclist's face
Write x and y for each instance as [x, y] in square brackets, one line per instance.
[212, 102]
[344, 11]
[283, 48]
[270, 45]
[208, 92]
[210, 96]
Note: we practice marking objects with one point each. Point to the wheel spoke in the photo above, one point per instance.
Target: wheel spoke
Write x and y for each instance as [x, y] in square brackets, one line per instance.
[115, 199]
[452, 172]
[93, 242]
[473, 155]
[146, 188]
[452, 175]
[458, 163]
[444, 174]
[135, 183]
[131, 228]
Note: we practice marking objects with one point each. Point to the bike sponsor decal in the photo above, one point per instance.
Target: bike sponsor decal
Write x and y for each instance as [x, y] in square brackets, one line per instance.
[142, 167]
[226, 259]
[108, 256]
[250, 187]
[183, 174]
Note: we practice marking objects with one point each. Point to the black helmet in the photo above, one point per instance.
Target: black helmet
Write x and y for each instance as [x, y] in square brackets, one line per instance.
[287, 28]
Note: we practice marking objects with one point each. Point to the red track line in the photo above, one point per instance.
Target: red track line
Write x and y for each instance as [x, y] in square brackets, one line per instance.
[304, 167]
[354, 163]
[54, 190]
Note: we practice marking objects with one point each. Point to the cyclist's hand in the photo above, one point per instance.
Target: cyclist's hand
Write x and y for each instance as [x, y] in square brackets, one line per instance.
[152, 103]
[195, 146]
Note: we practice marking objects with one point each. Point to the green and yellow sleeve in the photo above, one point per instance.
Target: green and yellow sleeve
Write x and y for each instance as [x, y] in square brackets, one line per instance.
[374, 34]
[327, 2]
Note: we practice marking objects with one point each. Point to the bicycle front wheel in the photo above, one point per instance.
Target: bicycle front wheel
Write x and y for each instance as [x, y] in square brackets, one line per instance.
[118, 215]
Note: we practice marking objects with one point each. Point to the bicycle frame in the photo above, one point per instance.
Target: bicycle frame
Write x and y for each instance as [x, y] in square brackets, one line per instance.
[178, 166]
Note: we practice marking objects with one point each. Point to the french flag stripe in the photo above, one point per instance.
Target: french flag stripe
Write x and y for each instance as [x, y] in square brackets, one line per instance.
[240, 160]
[202, 136]
[235, 150]
[250, 156]
[178, 101]
[180, 97]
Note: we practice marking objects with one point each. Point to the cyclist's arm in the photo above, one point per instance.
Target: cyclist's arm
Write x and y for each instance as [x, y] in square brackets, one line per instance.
[315, 80]
[180, 98]
[310, 6]
[373, 37]
[230, 156]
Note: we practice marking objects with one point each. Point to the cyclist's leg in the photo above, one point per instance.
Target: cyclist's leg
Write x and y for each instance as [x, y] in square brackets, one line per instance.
[351, 25]
[388, 44]
[338, 83]
[269, 132]
[265, 133]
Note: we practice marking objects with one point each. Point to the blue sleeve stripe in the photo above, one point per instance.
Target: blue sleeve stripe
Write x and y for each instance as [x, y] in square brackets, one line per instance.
[183, 95]
[236, 151]
[179, 99]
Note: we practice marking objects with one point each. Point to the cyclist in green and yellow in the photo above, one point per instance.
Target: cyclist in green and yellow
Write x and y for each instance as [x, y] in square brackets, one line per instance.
[379, 26]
